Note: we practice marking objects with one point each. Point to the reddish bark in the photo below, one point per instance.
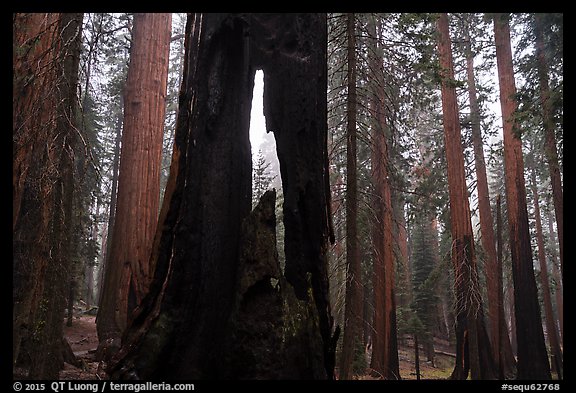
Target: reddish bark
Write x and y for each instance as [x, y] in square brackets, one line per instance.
[551, 330]
[532, 356]
[384, 341]
[493, 274]
[473, 352]
[549, 136]
[46, 58]
[129, 267]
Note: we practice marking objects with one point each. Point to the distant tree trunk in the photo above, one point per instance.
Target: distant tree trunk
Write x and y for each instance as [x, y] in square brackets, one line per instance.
[384, 341]
[417, 356]
[129, 268]
[556, 274]
[532, 356]
[551, 331]
[352, 316]
[105, 250]
[46, 58]
[473, 351]
[493, 278]
[549, 137]
[185, 327]
[402, 258]
[505, 355]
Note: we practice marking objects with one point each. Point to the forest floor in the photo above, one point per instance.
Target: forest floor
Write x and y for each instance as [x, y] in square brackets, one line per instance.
[83, 340]
[441, 368]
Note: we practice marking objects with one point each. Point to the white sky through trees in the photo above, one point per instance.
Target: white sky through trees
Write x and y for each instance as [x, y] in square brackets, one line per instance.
[257, 120]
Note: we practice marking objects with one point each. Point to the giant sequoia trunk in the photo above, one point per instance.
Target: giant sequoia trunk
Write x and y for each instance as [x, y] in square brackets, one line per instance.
[472, 343]
[532, 356]
[128, 267]
[206, 290]
[47, 53]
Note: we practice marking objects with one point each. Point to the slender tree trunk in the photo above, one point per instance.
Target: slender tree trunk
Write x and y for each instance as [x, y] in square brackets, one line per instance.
[493, 271]
[107, 233]
[549, 137]
[505, 355]
[551, 331]
[470, 329]
[352, 315]
[511, 312]
[129, 268]
[417, 356]
[532, 356]
[384, 342]
[402, 257]
[556, 274]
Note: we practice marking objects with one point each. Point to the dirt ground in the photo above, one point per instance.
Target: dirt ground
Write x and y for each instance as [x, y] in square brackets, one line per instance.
[83, 340]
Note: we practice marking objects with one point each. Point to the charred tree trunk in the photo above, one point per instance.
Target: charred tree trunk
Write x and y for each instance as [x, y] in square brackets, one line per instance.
[532, 356]
[549, 137]
[473, 347]
[183, 328]
[129, 268]
[353, 305]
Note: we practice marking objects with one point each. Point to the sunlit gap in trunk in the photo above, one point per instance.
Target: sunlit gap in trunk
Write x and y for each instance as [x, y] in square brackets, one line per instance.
[265, 164]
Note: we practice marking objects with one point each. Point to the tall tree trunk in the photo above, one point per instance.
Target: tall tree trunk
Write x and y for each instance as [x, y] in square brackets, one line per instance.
[493, 273]
[551, 331]
[384, 341]
[556, 274]
[549, 137]
[107, 238]
[473, 351]
[33, 101]
[46, 58]
[129, 268]
[186, 325]
[505, 355]
[352, 316]
[532, 356]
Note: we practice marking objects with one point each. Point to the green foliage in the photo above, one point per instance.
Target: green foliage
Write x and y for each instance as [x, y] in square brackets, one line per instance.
[424, 275]
[261, 177]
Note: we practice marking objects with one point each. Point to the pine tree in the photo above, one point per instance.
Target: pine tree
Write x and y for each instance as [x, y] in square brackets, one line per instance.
[261, 177]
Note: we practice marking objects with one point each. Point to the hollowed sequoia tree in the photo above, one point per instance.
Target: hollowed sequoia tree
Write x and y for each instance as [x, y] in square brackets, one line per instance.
[214, 287]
